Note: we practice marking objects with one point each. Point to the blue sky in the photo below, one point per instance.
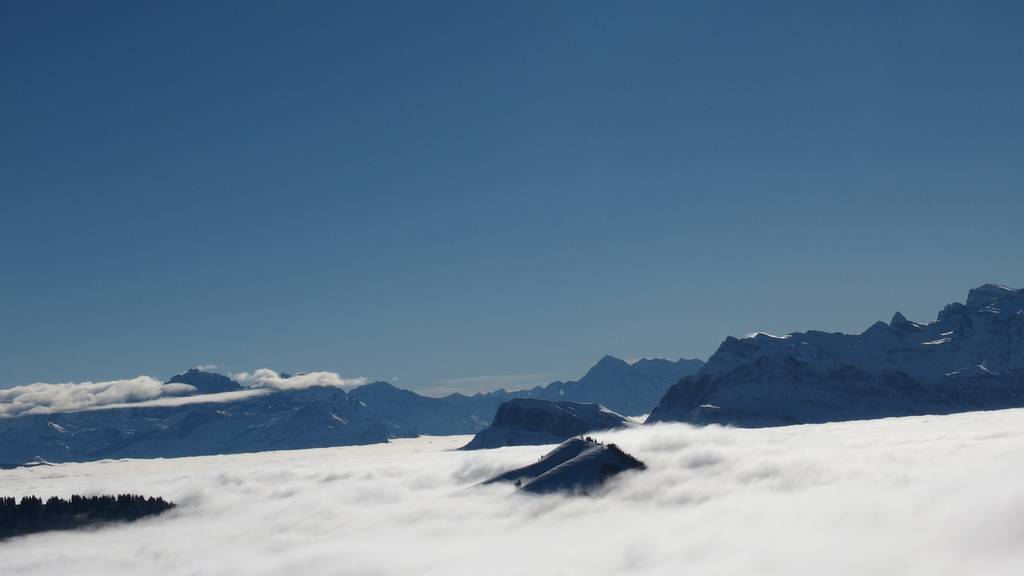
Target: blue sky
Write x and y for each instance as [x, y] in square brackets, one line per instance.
[451, 190]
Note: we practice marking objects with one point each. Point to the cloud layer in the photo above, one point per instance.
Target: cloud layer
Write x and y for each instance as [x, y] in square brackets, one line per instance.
[42, 398]
[267, 378]
[918, 496]
[45, 398]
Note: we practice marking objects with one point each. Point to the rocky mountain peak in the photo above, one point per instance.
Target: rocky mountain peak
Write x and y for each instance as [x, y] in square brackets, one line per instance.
[988, 294]
[206, 382]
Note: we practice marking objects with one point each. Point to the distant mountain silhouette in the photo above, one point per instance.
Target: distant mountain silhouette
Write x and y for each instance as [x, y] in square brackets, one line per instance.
[630, 389]
[970, 358]
[406, 414]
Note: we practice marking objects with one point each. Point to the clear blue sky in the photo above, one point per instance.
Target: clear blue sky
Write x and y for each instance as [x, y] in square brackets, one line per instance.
[439, 190]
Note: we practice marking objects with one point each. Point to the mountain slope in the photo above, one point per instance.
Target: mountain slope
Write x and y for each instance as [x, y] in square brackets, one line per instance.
[407, 414]
[971, 357]
[271, 420]
[576, 465]
[529, 421]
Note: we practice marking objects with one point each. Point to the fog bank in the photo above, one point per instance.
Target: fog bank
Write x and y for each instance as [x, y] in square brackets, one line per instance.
[921, 495]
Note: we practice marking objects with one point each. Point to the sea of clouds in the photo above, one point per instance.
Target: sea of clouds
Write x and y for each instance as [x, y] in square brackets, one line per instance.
[910, 496]
[48, 398]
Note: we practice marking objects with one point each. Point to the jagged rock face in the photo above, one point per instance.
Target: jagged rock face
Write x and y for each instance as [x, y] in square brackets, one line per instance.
[971, 357]
[576, 465]
[988, 330]
[206, 382]
[527, 421]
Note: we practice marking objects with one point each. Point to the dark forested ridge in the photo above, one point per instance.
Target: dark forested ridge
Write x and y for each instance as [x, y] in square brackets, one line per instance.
[32, 514]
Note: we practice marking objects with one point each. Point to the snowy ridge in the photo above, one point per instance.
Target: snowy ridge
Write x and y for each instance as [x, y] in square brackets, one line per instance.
[225, 418]
[971, 357]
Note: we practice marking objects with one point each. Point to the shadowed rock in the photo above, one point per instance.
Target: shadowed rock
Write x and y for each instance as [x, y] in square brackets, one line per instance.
[526, 421]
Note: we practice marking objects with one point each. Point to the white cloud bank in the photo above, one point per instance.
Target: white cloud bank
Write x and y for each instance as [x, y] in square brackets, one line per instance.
[913, 496]
[267, 378]
[45, 398]
[42, 398]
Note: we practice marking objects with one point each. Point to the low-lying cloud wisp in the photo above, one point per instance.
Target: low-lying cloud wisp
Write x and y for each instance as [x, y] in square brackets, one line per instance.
[46, 398]
[43, 398]
[267, 378]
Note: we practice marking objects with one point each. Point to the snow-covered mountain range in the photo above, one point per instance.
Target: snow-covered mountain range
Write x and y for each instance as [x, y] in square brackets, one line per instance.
[201, 413]
[971, 357]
